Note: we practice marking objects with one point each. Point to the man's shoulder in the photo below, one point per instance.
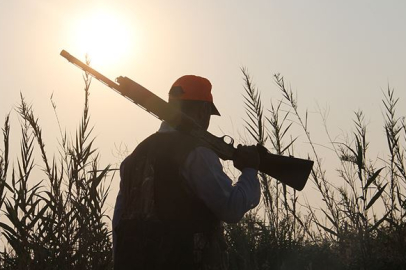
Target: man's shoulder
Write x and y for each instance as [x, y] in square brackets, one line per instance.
[168, 144]
[203, 153]
[169, 140]
[204, 150]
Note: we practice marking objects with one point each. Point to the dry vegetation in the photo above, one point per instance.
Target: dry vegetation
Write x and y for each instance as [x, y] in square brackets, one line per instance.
[60, 222]
[346, 232]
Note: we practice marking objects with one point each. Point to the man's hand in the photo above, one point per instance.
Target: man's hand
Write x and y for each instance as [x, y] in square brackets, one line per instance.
[246, 157]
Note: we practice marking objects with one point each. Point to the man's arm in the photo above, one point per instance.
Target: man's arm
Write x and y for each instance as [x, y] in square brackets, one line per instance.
[205, 177]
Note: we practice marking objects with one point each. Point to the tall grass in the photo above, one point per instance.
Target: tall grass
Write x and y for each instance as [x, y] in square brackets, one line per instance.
[58, 222]
[277, 232]
[350, 230]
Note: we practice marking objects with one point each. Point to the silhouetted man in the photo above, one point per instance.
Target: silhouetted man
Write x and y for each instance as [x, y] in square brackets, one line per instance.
[174, 194]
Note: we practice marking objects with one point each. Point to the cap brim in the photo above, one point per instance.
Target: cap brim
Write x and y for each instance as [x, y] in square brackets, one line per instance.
[214, 110]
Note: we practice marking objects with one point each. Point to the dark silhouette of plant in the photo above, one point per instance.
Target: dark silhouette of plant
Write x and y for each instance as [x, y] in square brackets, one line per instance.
[350, 230]
[59, 222]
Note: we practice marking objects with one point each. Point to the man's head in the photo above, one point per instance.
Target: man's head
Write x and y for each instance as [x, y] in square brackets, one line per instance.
[192, 95]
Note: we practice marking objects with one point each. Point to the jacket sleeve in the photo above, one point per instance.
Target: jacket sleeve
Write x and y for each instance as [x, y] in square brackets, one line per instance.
[205, 177]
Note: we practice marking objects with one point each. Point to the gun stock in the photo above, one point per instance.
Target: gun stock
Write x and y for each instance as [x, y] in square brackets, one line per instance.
[291, 171]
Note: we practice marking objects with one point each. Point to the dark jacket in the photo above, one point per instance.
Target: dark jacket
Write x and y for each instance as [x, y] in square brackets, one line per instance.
[163, 224]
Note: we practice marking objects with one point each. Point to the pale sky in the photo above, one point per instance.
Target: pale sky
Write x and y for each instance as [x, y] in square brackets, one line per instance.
[336, 54]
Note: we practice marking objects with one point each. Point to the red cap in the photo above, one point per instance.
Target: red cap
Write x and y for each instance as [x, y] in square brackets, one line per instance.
[191, 87]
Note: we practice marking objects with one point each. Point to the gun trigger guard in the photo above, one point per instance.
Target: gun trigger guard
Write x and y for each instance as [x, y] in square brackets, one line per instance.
[228, 140]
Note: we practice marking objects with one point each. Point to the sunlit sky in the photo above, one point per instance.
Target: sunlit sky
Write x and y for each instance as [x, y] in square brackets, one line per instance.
[339, 55]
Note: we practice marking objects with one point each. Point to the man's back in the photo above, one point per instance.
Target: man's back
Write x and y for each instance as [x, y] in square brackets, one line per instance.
[161, 223]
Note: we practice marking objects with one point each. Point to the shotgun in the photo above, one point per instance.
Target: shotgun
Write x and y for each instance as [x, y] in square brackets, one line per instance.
[291, 171]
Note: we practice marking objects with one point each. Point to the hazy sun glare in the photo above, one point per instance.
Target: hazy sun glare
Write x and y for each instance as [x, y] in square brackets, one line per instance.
[104, 36]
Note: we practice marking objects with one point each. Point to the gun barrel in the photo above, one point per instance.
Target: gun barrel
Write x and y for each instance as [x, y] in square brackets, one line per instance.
[139, 95]
[88, 69]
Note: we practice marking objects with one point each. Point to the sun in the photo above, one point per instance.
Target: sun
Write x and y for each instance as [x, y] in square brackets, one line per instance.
[104, 36]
